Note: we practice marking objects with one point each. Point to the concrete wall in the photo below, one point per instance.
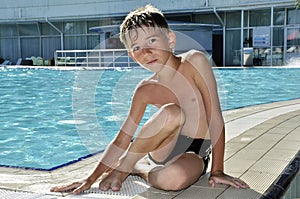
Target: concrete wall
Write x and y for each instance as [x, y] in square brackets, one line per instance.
[18, 10]
[38, 10]
[233, 4]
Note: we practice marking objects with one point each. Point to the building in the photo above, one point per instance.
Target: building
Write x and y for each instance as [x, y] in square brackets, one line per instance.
[256, 32]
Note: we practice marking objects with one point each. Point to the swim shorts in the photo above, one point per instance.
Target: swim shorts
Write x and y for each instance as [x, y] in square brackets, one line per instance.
[202, 147]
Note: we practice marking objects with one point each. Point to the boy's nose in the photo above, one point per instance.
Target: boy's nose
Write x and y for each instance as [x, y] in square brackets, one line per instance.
[146, 50]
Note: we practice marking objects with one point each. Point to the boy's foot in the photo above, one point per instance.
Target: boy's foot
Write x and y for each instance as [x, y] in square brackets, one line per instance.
[143, 167]
[113, 181]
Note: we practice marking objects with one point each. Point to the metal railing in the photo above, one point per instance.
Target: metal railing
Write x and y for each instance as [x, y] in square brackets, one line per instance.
[100, 58]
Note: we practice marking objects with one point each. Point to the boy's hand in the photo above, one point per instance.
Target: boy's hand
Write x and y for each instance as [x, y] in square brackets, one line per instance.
[219, 177]
[76, 187]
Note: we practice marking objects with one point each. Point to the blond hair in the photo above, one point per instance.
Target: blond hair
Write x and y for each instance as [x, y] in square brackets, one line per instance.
[147, 16]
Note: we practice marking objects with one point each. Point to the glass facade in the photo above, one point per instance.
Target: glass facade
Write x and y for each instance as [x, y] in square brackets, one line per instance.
[206, 18]
[279, 16]
[23, 40]
[233, 19]
[42, 39]
[283, 38]
[293, 16]
[260, 17]
[233, 47]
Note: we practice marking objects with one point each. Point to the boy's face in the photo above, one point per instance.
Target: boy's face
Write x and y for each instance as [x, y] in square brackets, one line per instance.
[150, 47]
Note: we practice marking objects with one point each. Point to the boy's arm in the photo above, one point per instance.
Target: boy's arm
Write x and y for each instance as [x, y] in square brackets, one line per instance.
[121, 142]
[206, 83]
[114, 150]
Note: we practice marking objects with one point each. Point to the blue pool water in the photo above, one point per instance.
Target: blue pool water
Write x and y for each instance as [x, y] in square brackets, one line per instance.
[50, 118]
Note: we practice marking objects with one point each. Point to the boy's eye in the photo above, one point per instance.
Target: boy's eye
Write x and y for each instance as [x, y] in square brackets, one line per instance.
[136, 48]
[152, 40]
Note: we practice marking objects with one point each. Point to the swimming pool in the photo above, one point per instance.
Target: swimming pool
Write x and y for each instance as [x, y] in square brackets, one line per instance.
[50, 118]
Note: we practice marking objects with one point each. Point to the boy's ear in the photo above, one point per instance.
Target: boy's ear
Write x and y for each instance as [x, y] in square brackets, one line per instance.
[172, 39]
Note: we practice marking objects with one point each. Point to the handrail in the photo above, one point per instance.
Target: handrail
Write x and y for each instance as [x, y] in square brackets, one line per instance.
[104, 58]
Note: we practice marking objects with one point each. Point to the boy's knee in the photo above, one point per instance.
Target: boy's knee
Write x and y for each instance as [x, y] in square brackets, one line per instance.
[175, 115]
[179, 181]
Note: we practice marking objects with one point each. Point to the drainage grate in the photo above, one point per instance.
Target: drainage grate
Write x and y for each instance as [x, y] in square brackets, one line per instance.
[7, 194]
[132, 186]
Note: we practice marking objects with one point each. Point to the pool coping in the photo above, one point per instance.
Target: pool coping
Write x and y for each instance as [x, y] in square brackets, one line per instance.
[282, 183]
[41, 181]
[117, 67]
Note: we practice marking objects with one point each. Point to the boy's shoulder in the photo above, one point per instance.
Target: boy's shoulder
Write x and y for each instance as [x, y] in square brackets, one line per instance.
[193, 55]
[145, 87]
[196, 58]
[146, 81]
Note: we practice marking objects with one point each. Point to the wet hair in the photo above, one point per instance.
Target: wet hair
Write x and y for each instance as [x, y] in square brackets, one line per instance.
[147, 16]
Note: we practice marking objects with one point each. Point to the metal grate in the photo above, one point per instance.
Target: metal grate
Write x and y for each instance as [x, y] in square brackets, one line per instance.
[132, 186]
[7, 194]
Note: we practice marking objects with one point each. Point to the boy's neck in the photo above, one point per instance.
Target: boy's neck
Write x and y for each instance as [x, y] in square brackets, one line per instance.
[169, 70]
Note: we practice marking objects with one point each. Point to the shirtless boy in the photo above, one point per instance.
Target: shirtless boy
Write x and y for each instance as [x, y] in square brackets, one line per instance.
[171, 151]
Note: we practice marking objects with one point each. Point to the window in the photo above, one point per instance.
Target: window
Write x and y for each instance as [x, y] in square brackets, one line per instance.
[293, 16]
[7, 30]
[29, 29]
[208, 18]
[233, 47]
[278, 36]
[260, 17]
[47, 29]
[233, 20]
[71, 28]
[278, 16]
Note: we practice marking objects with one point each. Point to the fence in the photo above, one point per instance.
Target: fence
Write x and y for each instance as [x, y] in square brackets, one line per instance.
[103, 58]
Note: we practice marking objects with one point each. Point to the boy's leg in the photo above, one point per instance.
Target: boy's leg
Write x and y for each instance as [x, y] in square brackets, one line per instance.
[182, 172]
[159, 133]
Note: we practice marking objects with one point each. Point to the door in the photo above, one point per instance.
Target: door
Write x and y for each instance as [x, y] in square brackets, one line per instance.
[217, 49]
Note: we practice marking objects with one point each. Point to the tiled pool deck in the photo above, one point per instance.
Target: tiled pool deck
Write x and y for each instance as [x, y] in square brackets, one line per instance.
[261, 141]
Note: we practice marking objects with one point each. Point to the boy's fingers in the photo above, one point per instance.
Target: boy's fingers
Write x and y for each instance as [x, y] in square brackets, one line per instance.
[243, 184]
[82, 188]
[65, 188]
[239, 183]
[212, 183]
[235, 182]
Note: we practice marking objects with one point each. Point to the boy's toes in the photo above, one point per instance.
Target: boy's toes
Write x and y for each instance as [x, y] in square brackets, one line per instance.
[116, 186]
[104, 186]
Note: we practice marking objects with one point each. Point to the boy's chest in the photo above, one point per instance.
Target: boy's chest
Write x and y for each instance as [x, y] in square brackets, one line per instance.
[180, 93]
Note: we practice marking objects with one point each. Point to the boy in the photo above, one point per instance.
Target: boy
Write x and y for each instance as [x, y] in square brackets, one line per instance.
[172, 149]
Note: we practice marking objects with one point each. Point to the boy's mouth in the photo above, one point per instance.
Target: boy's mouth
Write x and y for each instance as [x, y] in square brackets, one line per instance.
[152, 61]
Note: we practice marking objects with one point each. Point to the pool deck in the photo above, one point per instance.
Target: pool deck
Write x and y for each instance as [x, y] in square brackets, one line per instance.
[261, 140]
